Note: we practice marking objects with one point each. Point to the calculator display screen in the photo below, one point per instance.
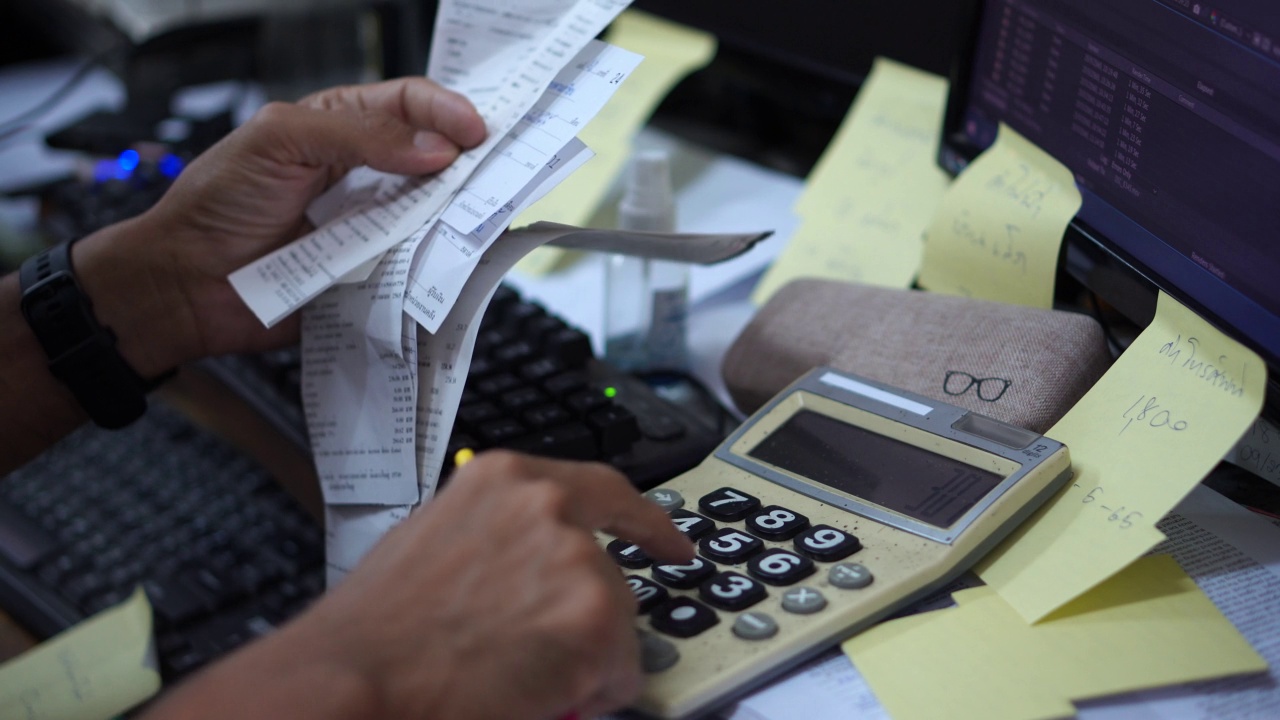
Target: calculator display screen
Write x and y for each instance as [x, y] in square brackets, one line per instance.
[908, 480]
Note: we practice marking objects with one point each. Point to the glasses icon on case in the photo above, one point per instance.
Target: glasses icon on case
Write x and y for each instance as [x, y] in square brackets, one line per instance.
[989, 389]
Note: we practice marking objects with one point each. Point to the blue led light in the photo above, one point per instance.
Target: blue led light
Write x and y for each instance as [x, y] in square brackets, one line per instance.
[170, 165]
[128, 160]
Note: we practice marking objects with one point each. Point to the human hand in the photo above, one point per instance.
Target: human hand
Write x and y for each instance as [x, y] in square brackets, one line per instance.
[495, 601]
[246, 196]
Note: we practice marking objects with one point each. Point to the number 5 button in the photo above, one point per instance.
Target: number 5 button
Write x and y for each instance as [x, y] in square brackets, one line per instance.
[825, 543]
[728, 545]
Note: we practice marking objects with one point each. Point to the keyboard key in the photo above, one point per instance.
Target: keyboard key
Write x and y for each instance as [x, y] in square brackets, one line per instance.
[571, 442]
[616, 428]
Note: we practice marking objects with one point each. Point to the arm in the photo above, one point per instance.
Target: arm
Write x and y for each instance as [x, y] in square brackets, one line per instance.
[159, 280]
[492, 601]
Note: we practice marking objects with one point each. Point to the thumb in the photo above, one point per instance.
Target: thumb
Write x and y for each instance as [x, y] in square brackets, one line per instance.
[296, 135]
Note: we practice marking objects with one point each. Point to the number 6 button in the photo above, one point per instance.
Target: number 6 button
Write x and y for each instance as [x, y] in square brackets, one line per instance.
[825, 543]
[780, 567]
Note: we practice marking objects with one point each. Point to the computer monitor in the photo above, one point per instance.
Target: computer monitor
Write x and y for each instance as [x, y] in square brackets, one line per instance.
[1168, 114]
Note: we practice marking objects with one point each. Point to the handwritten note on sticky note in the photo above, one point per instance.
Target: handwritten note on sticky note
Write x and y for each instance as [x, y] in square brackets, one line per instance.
[1160, 419]
[94, 671]
[671, 52]
[867, 200]
[1147, 627]
[998, 231]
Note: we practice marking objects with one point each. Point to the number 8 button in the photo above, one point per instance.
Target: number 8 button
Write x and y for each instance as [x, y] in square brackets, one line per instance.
[777, 523]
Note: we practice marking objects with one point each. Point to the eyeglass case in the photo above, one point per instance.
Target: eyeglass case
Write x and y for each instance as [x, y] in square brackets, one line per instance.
[1024, 366]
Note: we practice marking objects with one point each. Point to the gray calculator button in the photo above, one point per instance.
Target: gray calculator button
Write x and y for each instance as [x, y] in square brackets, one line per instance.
[755, 626]
[850, 576]
[666, 499]
[803, 601]
[656, 654]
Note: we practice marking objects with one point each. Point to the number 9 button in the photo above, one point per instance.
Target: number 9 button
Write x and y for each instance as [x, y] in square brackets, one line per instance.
[827, 544]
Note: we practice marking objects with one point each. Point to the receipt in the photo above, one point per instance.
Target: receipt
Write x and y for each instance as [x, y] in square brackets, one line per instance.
[445, 261]
[359, 393]
[391, 208]
[351, 531]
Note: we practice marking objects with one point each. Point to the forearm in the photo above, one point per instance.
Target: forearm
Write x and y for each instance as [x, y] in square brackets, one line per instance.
[128, 295]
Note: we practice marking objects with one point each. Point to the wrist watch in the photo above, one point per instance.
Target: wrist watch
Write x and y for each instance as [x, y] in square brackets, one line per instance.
[82, 353]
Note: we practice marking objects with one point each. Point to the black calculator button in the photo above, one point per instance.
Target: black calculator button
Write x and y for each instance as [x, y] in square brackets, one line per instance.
[628, 555]
[777, 523]
[780, 567]
[727, 504]
[693, 525]
[682, 617]
[730, 545]
[732, 591]
[825, 543]
[684, 575]
[647, 592]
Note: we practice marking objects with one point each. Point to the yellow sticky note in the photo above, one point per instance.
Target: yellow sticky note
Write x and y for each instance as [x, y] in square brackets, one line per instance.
[96, 670]
[867, 200]
[1160, 419]
[671, 51]
[1149, 626]
[998, 231]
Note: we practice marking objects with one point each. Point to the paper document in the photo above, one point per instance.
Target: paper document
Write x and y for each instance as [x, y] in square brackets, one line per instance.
[1148, 626]
[1155, 425]
[866, 203]
[394, 207]
[671, 51]
[998, 231]
[94, 671]
[1234, 557]
[1259, 451]
[351, 531]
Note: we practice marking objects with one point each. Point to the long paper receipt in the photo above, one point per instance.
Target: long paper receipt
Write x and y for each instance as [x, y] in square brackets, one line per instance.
[868, 199]
[1149, 626]
[999, 229]
[1160, 419]
[94, 671]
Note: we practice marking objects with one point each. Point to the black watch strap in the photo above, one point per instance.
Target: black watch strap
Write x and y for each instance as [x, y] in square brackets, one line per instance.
[82, 353]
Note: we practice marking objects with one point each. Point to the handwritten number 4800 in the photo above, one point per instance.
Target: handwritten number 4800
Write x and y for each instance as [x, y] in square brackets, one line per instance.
[1151, 414]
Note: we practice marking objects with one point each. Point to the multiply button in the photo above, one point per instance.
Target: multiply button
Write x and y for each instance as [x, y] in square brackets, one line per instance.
[803, 601]
[683, 617]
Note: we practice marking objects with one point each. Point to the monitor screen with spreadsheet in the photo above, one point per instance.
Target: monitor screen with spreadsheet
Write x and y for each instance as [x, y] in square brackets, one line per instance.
[1168, 114]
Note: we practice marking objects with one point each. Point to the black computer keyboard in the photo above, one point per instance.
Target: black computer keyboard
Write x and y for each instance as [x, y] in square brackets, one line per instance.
[224, 553]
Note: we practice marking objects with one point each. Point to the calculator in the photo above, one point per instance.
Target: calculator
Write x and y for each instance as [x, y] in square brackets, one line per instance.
[839, 502]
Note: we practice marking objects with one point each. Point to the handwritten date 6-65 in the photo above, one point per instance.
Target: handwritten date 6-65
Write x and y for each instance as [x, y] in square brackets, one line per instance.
[1146, 410]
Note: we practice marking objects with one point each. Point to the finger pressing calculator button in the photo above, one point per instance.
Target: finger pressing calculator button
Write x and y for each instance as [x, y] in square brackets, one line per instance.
[732, 591]
[755, 626]
[684, 576]
[666, 499]
[628, 555]
[850, 576]
[730, 545]
[777, 523]
[825, 543]
[693, 525]
[656, 653]
[780, 567]
[727, 504]
[647, 592]
[803, 601]
[682, 617]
